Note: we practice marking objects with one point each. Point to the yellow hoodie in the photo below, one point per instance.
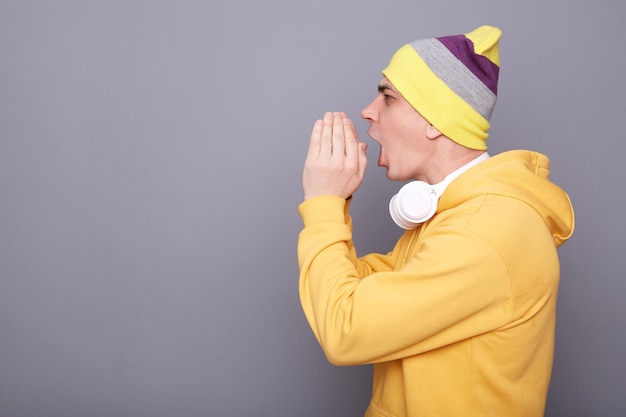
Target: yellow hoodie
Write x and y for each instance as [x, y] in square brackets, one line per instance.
[458, 319]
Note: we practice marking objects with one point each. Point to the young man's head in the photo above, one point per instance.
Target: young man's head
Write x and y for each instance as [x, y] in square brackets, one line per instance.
[435, 87]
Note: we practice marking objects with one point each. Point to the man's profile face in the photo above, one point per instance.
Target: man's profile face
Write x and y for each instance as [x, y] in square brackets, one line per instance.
[400, 131]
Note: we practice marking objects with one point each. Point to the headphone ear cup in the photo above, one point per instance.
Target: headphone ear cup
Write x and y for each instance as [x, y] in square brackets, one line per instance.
[415, 203]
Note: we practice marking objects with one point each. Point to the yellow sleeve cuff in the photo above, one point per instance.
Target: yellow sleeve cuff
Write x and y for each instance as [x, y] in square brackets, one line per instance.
[323, 209]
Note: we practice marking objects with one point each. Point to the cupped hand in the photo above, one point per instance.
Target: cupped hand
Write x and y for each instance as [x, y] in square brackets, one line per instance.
[336, 160]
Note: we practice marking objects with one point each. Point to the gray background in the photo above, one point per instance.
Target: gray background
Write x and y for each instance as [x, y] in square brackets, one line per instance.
[150, 161]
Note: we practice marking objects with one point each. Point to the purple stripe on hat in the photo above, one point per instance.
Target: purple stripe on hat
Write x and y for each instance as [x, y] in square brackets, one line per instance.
[463, 49]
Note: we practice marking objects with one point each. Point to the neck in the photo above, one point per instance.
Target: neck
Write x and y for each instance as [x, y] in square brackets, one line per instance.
[451, 176]
[448, 160]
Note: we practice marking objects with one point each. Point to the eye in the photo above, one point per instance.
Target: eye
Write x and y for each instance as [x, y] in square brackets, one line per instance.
[387, 98]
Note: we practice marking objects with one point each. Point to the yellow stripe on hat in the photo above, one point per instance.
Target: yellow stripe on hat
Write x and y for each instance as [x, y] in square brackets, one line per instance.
[485, 40]
[435, 101]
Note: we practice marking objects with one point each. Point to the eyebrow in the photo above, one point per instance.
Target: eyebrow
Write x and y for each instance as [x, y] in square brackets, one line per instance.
[384, 87]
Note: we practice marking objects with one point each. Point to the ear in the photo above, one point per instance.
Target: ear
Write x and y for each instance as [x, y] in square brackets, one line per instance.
[432, 132]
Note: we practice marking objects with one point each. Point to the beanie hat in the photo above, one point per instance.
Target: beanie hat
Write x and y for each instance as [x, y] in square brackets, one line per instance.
[452, 81]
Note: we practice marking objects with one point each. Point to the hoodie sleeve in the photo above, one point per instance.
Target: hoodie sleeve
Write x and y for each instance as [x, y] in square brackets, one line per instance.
[452, 287]
[327, 221]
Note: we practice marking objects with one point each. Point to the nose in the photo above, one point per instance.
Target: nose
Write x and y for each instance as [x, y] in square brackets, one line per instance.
[369, 113]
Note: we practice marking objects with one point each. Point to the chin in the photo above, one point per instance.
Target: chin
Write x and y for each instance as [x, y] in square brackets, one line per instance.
[391, 176]
[397, 177]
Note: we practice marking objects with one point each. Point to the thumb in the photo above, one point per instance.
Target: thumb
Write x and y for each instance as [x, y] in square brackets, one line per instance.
[362, 158]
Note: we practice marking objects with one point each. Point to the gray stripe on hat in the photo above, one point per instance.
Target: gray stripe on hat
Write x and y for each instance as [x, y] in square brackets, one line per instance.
[456, 75]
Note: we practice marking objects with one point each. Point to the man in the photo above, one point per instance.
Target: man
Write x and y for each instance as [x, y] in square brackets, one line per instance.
[458, 319]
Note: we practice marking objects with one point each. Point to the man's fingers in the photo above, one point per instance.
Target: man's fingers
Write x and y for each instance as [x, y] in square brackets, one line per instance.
[335, 137]
[315, 141]
[338, 137]
[362, 148]
[326, 136]
[351, 139]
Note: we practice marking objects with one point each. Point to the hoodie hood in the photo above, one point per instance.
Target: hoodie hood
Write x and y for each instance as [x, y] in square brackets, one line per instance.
[523, 175]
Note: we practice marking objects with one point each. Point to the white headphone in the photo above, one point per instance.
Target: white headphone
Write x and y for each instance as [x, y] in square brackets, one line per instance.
[416, 202]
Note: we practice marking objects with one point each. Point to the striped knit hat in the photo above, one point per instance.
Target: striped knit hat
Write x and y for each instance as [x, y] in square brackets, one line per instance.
[451, 81]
